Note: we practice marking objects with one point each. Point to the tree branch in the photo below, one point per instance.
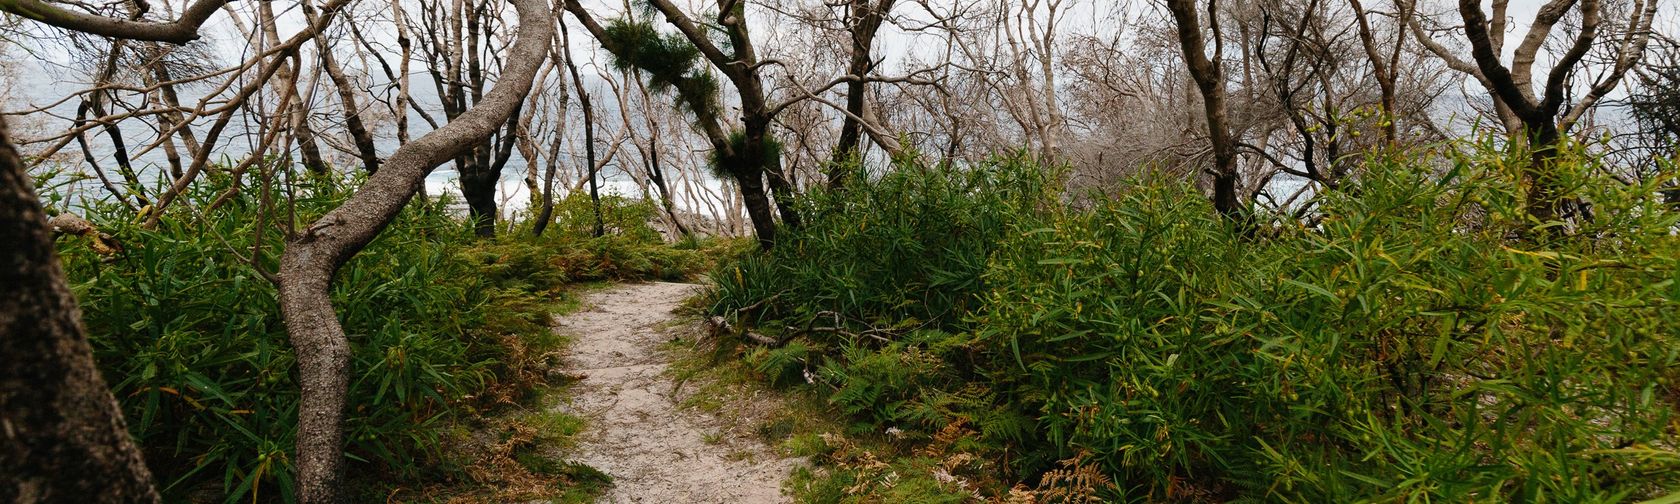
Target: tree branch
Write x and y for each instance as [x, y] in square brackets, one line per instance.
[180, 31]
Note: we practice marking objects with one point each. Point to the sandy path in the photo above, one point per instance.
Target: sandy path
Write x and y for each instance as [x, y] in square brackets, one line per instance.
[655, 452]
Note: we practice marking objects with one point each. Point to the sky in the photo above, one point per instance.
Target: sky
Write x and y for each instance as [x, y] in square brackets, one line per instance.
[43, 75]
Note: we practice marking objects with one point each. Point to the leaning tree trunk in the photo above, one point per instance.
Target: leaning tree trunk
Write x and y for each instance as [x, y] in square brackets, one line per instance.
[63, 437]
[546, 215]
[589, 148]
[347, 98]
[312, 257]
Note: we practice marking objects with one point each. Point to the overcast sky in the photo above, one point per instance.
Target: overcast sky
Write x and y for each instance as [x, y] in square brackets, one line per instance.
[44, 76]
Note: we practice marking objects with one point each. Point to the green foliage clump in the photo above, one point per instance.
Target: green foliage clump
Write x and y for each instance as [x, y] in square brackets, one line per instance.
[1423, 341]
[574, 218]
[442, 327]
[770, 154]
[907, 248]
[671, 62]
[630, 250]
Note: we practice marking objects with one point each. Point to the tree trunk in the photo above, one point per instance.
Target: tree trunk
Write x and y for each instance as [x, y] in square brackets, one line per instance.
[297, 115]
[547, 213]
[64, 438]
[758, 208]
[657, 176]
[478, 187]
[480, 173]
[1210, 82]
[758, 160]
[588, 146]
[313, 256]
[347, 97]
[867, 21]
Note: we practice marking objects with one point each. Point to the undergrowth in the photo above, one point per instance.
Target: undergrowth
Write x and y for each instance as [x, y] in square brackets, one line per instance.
[447, 332]
[1422, 341]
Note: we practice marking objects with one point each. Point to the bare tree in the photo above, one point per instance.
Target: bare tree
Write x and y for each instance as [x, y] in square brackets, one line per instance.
[179, 31]
[458, 44]
[1385, 67]
[1539, 119]
[313, 256]
[1210, 81]
[863, 20]
[353, 123]
[1654, 102]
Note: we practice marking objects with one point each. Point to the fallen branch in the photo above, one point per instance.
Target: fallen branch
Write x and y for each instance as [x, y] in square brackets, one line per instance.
[72, 224]
[720, 325]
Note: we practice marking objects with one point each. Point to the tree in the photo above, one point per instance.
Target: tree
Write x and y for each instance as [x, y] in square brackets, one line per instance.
[63, 438]
[749, 155]
[1210, 82]
[863, 20]
[1538, 121]
[1654, 101]
[1385, 68]
[458, 40]
[313, 256]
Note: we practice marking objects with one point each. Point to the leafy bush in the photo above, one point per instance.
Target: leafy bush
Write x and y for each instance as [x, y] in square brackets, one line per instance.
[907, 248]
[441, 327]
[1406, 347]
[574, 218]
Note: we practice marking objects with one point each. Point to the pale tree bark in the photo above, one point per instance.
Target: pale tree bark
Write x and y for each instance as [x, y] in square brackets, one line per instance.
[551, 165]
[62, 436]
[527, 135]
[1507, 118]
[297, 115]
[1384, 67]
[277, 59]
[650, 152]
[179, 31]
[313, 256]
[399, 112]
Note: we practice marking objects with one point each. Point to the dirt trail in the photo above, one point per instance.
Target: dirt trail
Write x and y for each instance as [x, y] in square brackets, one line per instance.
[655, 451]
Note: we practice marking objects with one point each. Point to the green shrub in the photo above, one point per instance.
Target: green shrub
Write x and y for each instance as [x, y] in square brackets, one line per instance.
[906, 248]
[441, 326]
[574, 218]
[1423, 342]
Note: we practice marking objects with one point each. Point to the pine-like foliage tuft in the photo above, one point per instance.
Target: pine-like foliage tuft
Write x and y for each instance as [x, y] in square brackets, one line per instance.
[671, 62]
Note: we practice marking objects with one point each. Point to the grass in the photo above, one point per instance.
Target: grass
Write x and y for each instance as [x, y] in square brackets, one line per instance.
[849, 465]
